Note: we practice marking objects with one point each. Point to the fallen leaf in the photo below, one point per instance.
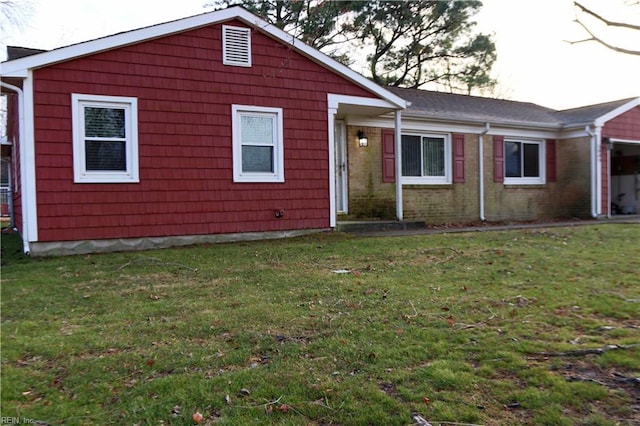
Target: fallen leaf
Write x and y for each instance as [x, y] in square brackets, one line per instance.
[150, 362]
[450, 320]
[284, 408]
[426, 400]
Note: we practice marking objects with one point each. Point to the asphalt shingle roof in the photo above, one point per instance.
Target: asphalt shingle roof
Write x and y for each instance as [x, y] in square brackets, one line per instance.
[450, 106]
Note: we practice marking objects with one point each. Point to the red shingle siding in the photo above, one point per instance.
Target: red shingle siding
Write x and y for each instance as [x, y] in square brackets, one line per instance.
[625, 126]
[185, 151]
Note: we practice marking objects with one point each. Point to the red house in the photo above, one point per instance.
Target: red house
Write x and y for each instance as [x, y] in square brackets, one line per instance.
[216, 127]
[221, 127]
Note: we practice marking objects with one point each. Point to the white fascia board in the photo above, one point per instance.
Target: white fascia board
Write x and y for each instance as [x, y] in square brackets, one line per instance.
[19, 67]
[626, 141]
[335, 101]
[600, 121]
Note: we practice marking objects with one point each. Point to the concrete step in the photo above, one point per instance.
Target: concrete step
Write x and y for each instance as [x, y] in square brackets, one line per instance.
[378, 225]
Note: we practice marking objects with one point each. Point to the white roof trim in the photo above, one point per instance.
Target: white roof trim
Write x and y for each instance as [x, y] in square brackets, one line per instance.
[19, 67]
[335, 100]
[600, 121]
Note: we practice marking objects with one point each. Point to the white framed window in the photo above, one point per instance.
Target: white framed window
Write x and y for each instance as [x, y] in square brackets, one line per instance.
[236, 46]
[258, 144]
[524, 162]
[105, 139]
[426, 159]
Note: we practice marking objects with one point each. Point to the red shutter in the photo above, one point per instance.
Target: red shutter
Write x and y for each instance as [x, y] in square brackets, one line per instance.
[458, 158]
[551, 160]
[388, 156]
[498, 159]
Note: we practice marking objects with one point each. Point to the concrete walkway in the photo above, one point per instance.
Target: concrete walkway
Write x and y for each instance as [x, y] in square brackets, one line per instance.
[488, 226]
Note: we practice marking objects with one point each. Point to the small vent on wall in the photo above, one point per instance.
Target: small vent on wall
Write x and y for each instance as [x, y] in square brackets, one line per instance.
[236, 46]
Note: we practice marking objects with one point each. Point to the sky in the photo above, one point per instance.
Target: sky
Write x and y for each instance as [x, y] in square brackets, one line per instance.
[536, 63]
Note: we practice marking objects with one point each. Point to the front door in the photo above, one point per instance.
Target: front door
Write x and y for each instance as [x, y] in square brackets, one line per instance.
[341, 167]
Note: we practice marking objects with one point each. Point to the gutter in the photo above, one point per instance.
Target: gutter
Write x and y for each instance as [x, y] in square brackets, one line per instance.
[557, 127]
[481, 170]
[21, 147]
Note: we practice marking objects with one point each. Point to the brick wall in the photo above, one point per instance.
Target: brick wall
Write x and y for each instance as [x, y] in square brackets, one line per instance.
[568, 196]
[572, 196]
[456, 202]
[369, 197]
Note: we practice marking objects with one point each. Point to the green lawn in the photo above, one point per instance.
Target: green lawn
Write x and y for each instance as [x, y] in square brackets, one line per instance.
[493, 328]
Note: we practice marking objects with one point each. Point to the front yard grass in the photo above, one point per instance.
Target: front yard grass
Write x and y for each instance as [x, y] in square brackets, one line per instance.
[533, 327]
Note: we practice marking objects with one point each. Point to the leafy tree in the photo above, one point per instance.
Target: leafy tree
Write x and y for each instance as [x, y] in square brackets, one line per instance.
[403, 43]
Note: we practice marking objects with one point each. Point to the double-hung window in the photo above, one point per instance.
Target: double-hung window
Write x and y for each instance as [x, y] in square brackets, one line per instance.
[426, 159]
[258, 151]
[105, 139]
[523, 162]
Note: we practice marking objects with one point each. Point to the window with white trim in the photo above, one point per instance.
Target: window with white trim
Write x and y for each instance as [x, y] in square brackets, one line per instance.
[523, 162]
[236, 46]
[105, 139]
[258, 147]
[426, 159]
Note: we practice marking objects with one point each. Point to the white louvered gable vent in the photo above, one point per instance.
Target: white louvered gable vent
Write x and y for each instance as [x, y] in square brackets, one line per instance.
[236, 46]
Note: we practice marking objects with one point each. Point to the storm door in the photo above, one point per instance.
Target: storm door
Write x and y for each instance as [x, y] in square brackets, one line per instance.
[341, 167]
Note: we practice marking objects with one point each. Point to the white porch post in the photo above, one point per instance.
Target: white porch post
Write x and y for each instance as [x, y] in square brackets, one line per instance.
[398, 142]
[598, 149]
[332, 167]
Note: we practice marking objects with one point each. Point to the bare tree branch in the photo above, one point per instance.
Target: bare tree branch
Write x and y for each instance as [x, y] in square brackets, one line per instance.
[602, 42]
[605, 20]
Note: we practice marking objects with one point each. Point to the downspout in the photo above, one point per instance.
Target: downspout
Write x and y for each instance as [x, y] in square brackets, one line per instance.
[398, 142]
[21, 146]
[592, 162]
[481, 170]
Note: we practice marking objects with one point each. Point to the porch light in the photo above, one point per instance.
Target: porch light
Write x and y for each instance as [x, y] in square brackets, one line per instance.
[362, 139]
[607, 143]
